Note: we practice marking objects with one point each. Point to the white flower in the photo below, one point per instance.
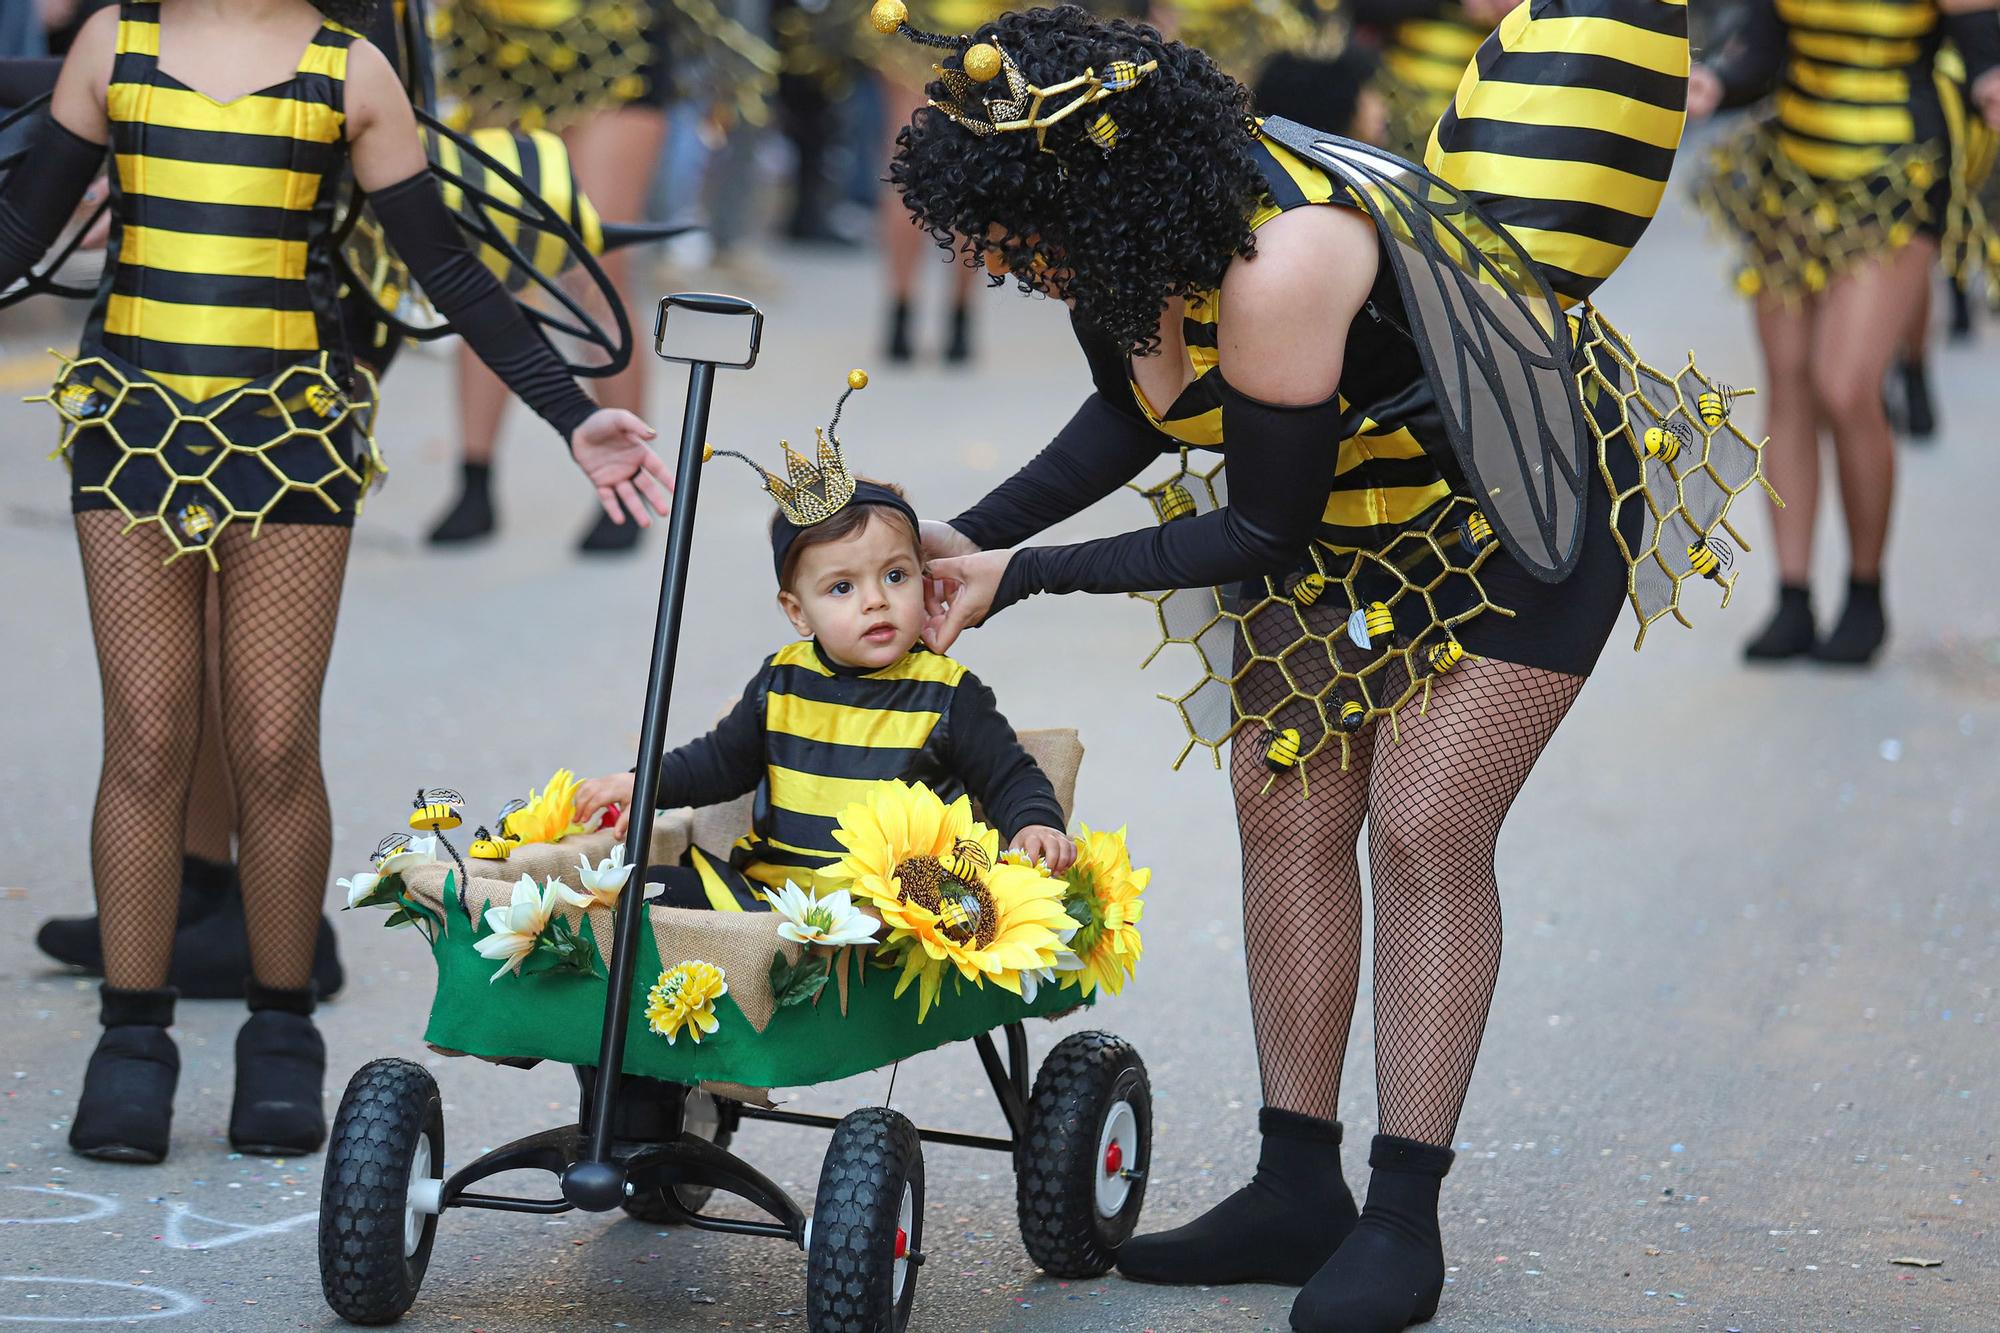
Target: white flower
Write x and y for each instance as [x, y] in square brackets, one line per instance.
[1032, 979]
[516, 927]
[416, 852]
[833, 920]
[359, 887]
[602, 882]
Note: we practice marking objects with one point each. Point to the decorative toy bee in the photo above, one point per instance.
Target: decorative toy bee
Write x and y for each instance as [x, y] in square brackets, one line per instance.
[486, 847]
[959, 913]
[80, 401]
[507, 812]
[1308, 589]
[324, 400]
[968, 859]
[1104, 132]
[1371, 622]
[195, 521]
[1710, 557]
[1443, 655]
[1664, 441]
[1352, 715]
[390, 845]
[1171, 501]
[1281, 749]
[437, 810]
[1714, 405]
[1474, 532]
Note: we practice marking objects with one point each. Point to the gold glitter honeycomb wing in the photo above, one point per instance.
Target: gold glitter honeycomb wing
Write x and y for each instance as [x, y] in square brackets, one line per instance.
[1674, 460]
[192, 471]
[65, 270]
[1345, 642]
[1795, 233]
[539, 64]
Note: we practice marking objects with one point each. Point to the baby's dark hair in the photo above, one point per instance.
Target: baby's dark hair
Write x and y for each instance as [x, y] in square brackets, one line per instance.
[850, 519]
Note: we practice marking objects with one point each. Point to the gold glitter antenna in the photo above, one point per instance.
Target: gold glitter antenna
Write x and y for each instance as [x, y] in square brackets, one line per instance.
[1025, 105]
[813, 489]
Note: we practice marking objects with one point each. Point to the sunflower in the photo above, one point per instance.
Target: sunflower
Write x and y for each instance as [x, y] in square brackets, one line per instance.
[1104, 895]
[945, 899]
[684, 998]
[550, 814]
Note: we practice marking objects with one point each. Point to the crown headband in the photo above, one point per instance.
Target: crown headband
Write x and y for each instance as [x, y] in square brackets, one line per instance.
[1025, 105]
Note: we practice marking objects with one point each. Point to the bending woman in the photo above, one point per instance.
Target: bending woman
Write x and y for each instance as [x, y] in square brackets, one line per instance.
[1837, 202]
[1234, 288]
[215, 410]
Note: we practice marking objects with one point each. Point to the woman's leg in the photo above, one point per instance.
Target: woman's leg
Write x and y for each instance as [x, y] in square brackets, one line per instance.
[903, 243]
[1919, 413]
[1860, 321]
[145, 618]
[1791, 461]
[211, 807]
[1435, 806]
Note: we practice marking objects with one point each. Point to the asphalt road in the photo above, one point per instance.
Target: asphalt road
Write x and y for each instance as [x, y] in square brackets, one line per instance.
[1740, 1062]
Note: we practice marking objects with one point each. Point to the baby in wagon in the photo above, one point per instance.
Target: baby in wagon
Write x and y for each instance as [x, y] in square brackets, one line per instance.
[858, 699]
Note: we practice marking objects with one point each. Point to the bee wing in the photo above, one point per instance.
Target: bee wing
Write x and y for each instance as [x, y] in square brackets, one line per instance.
[18, 129]
[442, 796]
[1494, 342]
[393, 843]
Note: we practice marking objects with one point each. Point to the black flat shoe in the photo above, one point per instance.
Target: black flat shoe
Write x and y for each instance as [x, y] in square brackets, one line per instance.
[471, 516]
[608, 538]
[1789, 633]
[1861, 630]
[205, 890]
[126, 1110]
[279, 1110]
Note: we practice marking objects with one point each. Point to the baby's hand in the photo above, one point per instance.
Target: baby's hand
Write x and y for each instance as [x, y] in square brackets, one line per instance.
[1049, 845]
[611, 789]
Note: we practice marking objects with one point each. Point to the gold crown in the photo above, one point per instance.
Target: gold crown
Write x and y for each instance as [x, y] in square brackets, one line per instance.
[813, 489]
[1025, 105]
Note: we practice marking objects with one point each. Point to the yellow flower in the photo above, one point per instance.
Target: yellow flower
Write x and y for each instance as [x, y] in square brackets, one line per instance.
[684, 998]
[550, 814]
[1104, 895]
[946, 901]
[1749, 281]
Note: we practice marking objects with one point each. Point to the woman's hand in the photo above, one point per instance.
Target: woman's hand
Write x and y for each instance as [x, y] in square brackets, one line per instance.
[966, 587]
[941, 540]
[1051, 846]
[611, 789]
[611, 447]
[1704, 93]
[1986, 96]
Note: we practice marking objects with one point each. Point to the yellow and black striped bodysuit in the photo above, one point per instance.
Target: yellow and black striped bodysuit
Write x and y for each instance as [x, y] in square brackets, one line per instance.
[809, 736]
[213, 382]
[1852, 158]
[1423, 56]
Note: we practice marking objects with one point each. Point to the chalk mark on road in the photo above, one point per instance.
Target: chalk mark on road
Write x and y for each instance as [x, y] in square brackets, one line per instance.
[174, 1235]
[173, 1304]
[100, 1207]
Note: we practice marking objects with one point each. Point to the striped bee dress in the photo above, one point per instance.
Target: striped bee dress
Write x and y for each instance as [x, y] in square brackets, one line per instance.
[1422, 61]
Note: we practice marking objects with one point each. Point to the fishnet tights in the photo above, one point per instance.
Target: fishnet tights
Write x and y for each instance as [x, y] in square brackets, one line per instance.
[1433, 803]
[211, 803]
[280, 596]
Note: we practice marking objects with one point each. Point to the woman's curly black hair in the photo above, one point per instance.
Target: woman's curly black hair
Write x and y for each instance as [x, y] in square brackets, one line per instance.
[1123, 231]
[355, 14]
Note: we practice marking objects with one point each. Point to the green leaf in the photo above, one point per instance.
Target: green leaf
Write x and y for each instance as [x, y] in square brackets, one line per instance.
[796, 983]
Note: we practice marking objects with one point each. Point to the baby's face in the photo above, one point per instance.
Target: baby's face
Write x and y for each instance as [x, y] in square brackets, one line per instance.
[862, 597]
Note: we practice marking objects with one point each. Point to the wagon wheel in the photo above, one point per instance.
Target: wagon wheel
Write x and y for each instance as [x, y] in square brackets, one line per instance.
[383, 1185]
[1080, 1172]
[864, 1243]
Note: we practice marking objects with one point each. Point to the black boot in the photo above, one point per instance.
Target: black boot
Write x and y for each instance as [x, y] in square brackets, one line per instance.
[1919, 415]
[212, 957]
[205, 887]
[280, 1076]
[1857, 636]
[1389, 1274]
[126, 1112]
[1961, 312]
[1790, 631]
[471, 515]
[959, 350]
[899, 348]
[605, 537]
[1281, 1227]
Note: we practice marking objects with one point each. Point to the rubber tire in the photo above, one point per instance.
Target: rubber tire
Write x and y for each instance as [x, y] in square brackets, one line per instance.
[651, 1206]
[873, 1155]
[388, 1106]
[1055, 1168]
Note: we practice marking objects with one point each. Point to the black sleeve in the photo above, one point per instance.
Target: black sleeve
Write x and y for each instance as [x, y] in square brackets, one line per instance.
[987, 756]
[418, 224]
[1749, 61]
[24, 78]
[1977, 37]
[1281, 468]
[41, 195]
[722, 765]
[1106, 444]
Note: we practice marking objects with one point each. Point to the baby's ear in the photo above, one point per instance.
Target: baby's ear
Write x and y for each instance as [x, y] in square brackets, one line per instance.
[795, 611]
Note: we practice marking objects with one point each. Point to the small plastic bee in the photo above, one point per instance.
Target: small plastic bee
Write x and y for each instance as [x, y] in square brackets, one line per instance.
[79, 400]
[959, 913]
[1443, 655]
[325, 400]
[1352, 715]
[437, 809]
[1710, 557]
[390, 845]
[486, 847]
[1714, 405]
[195, 521]
[1121, 76]
[969, 858]
[1664, 441]
[1104, 132]
[507, 812]
[1308, 589]
[1371, 622]
[1474, 532]
[1281, 749]
[1171, 501]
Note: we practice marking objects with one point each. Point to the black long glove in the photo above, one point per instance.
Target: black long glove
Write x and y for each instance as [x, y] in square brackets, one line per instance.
[41, 195]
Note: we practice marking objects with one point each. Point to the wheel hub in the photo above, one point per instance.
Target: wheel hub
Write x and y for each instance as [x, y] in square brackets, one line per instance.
[424, 1197]
[1117, 1142]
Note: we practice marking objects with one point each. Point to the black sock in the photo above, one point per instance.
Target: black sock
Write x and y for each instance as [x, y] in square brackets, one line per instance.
[1279, 1228]
[1389, 1273]
[899, 332]
[959, 349]
[1862, 626]
[471, 515]
[1789, 632]
[1920, 417]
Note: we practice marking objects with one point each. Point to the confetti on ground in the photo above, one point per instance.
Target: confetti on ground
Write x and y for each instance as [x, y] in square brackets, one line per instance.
[1910, 1262]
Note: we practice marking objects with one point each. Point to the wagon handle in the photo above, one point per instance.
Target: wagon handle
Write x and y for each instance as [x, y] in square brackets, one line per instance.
[595, 1183]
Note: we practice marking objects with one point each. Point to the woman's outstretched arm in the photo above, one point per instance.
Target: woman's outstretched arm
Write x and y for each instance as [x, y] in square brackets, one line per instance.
[43, 190]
